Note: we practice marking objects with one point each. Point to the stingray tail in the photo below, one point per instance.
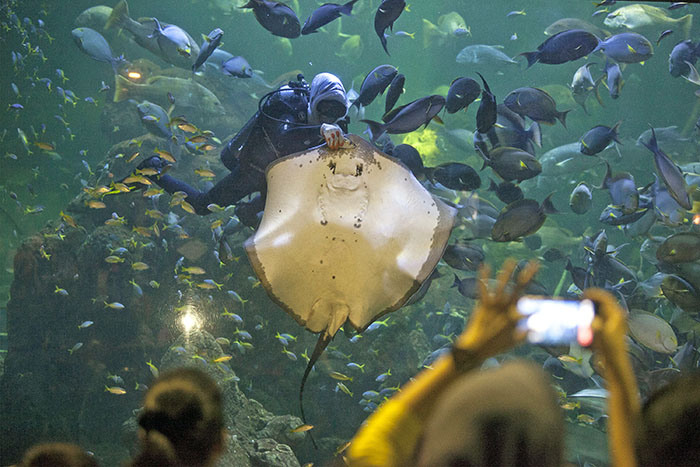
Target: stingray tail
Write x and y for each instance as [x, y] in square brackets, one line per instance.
[323, 340]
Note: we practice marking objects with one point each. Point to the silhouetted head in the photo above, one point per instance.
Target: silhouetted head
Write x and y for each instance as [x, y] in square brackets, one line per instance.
[668, 432]
[182, 420]
[507, 416]
[57, 455]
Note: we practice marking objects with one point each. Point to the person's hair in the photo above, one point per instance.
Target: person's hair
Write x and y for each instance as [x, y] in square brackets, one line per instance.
[57, 455]
[507, 416]
[668, 432]
[182, 418]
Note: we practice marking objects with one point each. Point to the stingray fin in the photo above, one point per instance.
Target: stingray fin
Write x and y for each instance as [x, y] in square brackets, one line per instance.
[323, 340]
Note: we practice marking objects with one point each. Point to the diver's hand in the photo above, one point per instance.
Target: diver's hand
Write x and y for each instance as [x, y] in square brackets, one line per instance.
[492, 327]
[333, 135]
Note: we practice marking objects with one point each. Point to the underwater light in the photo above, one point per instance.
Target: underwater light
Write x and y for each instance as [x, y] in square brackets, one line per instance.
[134, 75]
[189, 322]
[696, 219]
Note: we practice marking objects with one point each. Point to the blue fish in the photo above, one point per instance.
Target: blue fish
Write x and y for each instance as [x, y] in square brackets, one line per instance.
[325, 14]
[93, 44]
[276, 17]
[628, 47]
[563, 47]
[387, 13]
[238, 67]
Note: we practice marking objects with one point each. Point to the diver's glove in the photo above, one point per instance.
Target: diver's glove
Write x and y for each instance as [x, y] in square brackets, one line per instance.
[334, 136]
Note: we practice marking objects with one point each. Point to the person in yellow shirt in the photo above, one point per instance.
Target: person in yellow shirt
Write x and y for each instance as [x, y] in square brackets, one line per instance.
[401, 432]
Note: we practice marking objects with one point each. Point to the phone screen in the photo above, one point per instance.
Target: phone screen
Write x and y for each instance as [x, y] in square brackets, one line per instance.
[551, 321]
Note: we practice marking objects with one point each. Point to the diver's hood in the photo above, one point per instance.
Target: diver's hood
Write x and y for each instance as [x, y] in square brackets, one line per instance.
[325, 86]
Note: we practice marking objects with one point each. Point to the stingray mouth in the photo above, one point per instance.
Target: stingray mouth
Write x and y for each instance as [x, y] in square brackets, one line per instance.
[345, 175]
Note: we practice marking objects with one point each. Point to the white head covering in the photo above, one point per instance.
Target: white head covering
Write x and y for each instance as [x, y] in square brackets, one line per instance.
[324, 87]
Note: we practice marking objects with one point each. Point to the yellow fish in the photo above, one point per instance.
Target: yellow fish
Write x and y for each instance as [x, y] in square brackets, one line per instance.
[113, 259]
[222, 359]
[302, 428]
[139, 266]
[94, 204]
[195, 270]
[115, 390]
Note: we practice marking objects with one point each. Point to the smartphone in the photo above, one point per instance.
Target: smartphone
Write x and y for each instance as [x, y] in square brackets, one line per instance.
[551, 321]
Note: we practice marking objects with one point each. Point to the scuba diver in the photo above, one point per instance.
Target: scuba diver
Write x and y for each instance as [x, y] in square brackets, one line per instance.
[293, 118]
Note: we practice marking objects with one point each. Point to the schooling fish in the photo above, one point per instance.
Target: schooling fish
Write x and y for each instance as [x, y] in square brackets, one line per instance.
[409, 117]
[143, 34]
[598, 138]
[172, 40]
[622, 189]
[582, 85]
[462, 92]
[487, 114]
[387, 12]
[210, 44]
[581, 198]
[394, 92]
[563, 47]
[627, 47]
[512, 163]
[639, 16]
[325, 14]
[455, 176]
[613, 78]
[536, 104]
[683, 53]
[238, 67]
[95, 46]
[669, 172]
[276, 17]
[520, 219]
[374, 84]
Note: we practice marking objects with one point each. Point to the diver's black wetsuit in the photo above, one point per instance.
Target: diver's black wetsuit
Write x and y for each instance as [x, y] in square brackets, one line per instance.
[277, 129]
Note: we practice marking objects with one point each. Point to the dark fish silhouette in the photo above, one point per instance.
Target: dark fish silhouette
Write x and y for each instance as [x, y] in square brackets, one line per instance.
[276, 17]
[387, 13]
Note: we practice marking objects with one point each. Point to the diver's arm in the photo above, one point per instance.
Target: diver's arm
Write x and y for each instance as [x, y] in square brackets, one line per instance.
[609, 327]
[390, 436]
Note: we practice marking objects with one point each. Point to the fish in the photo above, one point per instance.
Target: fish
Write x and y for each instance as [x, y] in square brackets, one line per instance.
[374, 84]
[507, 192]
[455, 176]
[449, 25]
[484, 55]
[409, 117]
[487, 114]
[301, 428]
[387, 13]
[114, 305]
[663, 34]
[622, 189]
[144, 35]
[565, 24]
[563, 47]
[681, 247]
[536, 104]
[512, 163]
[627, 47]
[85, 324]
[669, 173]
[94, 17]
[598, 138]
[638, 16]
[394, 92]
[582, 85]
[324, 14]
[189, 95]
[520, 219]
[464, 256]
[77, 346]
[467, 286]
[210, 44]
[581, 198]
[462, 92]
[509, 130]
[116, 390]
[683, 54]
[172, 40]
[94, 45]
[276, 17]
[238, 67]
[613, 78]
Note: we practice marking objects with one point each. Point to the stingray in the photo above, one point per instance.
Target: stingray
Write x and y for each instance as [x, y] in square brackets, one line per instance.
[346, 237]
